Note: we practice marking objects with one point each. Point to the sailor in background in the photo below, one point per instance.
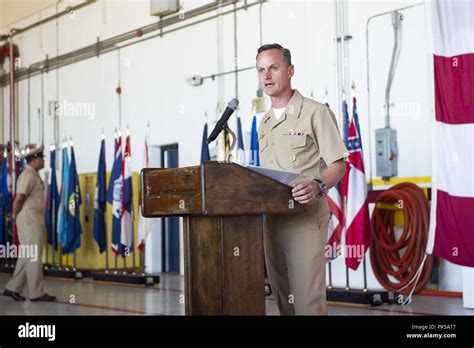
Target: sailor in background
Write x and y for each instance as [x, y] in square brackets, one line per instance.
[28, 213]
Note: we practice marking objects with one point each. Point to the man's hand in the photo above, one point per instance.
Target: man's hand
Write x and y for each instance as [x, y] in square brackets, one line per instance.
[305, 191]
[18, 204]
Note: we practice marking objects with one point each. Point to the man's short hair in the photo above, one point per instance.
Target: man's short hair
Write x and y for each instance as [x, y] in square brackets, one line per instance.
[285, 52]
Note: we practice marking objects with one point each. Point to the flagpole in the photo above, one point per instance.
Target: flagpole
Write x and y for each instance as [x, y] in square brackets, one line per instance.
[106, 248]
[134, 265]
[125, 263]
[330, 275]
[346, 193]
[131, 205]
[364, 263]
[62, 203]
[74, 261]
[47, 244]
[47, 254]
[345, 240]
[53, 205]
[53, 223]
[365, 274]
[105, 216]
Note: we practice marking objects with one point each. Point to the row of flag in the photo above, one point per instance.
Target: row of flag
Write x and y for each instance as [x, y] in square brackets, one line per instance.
[62, 207]
[6, 198]
[119, 193]
[62, 215]
[348, 201]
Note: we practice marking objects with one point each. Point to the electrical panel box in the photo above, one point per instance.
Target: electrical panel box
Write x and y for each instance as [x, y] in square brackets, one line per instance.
[386, 152]
[163, 7]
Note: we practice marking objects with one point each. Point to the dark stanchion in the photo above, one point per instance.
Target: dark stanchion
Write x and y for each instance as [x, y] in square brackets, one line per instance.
[365, 274]
[348, 287]
[67, 272]
[130, 276]
[330, 275]
[124, 264]
[358, 296]
[134, 266]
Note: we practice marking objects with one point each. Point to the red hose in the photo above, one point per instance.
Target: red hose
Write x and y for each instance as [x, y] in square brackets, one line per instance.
[395, 260]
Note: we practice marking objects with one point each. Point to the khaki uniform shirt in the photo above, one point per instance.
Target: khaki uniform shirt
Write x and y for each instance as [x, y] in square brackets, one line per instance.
[305, 139]
[30, 184]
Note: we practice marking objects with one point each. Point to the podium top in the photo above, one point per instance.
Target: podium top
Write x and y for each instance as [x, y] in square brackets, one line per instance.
[213, 188]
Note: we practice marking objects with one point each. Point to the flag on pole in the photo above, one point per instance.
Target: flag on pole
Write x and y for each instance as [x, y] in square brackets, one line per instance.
[204, 146]
[100, 201]
[73, 220]
[336, 219]
[146, 224]
[452, 219]
[254, 155]
[5, 202]
[114, 196]
[52, 201]
[345, 136]
[126, 238]
[63, 206]
[18, 165]
[358, 224]
[240, 144]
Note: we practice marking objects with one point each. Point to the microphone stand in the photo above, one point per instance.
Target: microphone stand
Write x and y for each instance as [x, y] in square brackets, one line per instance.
[229, 131]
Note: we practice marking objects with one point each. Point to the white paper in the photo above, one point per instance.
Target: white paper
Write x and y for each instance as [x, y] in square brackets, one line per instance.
[278, 175]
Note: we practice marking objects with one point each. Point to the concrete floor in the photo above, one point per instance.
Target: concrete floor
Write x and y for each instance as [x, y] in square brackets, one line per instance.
[88, 297]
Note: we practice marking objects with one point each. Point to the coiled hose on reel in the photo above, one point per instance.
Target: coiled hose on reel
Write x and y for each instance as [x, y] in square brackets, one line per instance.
[401, 257]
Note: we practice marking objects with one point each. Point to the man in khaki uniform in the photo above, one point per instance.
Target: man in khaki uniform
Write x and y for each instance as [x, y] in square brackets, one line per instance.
[28, 212]
[298, 135]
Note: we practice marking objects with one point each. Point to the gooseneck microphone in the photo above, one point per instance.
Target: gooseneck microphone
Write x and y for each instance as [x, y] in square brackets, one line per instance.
[229, 110]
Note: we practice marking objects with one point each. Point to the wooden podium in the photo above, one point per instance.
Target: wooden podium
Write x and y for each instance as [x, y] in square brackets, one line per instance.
[221, 204]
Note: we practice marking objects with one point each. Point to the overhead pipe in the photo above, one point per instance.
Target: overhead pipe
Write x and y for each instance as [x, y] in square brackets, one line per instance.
[68, 10]
[108, 45]
[112, 44]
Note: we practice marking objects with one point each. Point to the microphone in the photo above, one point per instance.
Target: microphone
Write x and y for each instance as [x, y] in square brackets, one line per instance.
[229, 110]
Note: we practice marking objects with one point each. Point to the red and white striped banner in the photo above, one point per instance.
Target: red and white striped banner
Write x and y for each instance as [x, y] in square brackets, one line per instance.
[452, 215]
